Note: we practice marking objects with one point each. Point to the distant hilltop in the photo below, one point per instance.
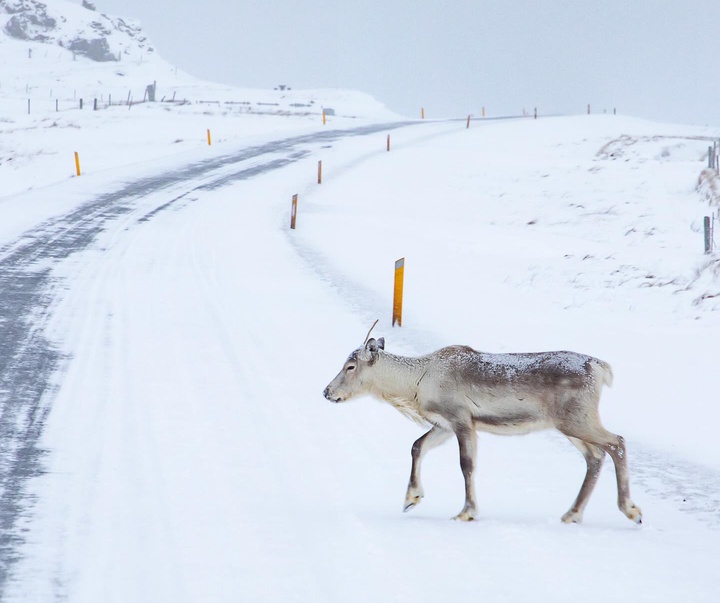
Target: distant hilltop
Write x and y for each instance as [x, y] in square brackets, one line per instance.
[77, 28]
[55, 52]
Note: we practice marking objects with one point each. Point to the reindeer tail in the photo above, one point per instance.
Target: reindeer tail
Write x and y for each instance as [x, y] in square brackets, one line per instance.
[603, 373]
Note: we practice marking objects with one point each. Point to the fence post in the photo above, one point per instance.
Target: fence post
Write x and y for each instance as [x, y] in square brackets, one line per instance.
[708, 235]
[422, 112]
[468, 122]
[28, 106]
[710, 157]
[293, 214]
[398, 292]
[388, 142]
[320, 172]
[81, 104]
[95, 105]
[535, 112]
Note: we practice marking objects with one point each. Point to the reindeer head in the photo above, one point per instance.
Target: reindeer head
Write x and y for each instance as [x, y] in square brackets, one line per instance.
[355, 377]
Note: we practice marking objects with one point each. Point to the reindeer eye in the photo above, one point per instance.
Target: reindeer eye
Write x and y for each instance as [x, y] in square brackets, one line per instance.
[350, 368]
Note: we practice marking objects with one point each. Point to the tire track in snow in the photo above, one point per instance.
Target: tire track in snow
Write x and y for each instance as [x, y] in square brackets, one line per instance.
[29, 362]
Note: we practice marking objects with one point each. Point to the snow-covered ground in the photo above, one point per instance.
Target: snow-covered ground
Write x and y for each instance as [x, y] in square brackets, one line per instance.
[191, 455]
[185, 450]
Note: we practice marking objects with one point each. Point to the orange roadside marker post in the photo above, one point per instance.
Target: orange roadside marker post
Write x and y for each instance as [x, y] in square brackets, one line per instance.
[293, 214]
[398, 292]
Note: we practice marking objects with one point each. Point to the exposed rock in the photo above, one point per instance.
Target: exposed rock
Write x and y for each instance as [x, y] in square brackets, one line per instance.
[97, 49]
[82, 30]
[29, 22]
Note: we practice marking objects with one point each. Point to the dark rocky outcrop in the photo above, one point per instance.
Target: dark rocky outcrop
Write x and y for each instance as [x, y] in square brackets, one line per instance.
[97, 49]
[92, 37]
[30, 21]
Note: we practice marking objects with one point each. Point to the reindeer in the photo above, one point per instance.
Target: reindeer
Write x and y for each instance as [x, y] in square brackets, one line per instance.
[460, 391]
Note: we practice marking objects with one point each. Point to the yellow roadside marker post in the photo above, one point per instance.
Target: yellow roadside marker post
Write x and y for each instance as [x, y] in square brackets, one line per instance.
[398, 293]
[293, 214]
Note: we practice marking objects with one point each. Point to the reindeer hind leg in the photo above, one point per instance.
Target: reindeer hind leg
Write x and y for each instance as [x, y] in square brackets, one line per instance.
[614, 445]
[594, 457]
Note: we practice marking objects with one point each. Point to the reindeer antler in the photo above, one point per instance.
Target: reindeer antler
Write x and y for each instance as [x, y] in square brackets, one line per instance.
[370, 331]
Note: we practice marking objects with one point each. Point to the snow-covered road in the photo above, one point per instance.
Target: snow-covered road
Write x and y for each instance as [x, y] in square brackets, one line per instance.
[164, 351]
[31, 268]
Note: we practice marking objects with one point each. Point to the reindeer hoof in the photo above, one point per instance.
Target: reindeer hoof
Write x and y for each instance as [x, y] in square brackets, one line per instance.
[411, 502]
[413, 497]
[572, 517]
[635, 514]
[465, 515]
[631, 511]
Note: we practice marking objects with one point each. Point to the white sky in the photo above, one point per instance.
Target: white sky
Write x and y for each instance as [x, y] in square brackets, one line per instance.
[651, 58]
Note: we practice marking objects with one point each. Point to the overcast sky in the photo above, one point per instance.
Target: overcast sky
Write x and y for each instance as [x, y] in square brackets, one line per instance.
[658, 59]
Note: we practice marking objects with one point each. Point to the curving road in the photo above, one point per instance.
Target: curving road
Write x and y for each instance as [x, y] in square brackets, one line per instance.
[28, 360]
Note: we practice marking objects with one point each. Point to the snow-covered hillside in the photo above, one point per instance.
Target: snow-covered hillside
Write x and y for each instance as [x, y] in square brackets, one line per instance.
[165, 339]
[46, 76]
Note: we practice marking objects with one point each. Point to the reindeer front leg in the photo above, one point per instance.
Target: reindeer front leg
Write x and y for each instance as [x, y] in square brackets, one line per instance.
[430, 440]
[467, 439]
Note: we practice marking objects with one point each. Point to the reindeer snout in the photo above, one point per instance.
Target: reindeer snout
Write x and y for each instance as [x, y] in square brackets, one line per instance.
[330, 397]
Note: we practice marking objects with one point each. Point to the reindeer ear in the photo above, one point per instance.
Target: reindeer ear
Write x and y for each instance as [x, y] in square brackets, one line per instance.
[381, 343]
[371, 345]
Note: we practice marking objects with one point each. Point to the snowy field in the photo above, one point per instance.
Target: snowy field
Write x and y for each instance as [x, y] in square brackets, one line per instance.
[190, 454]
[166, 339]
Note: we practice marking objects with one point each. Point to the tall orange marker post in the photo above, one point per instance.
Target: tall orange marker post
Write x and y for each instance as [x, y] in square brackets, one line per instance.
[77, 163]
[483, 111]
[293, 214]
[398, 293]
[209, 137]
[422, 112]
[324, 118]
[320, 172]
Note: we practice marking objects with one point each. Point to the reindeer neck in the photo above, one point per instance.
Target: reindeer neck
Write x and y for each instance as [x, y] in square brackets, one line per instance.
[398, 376]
